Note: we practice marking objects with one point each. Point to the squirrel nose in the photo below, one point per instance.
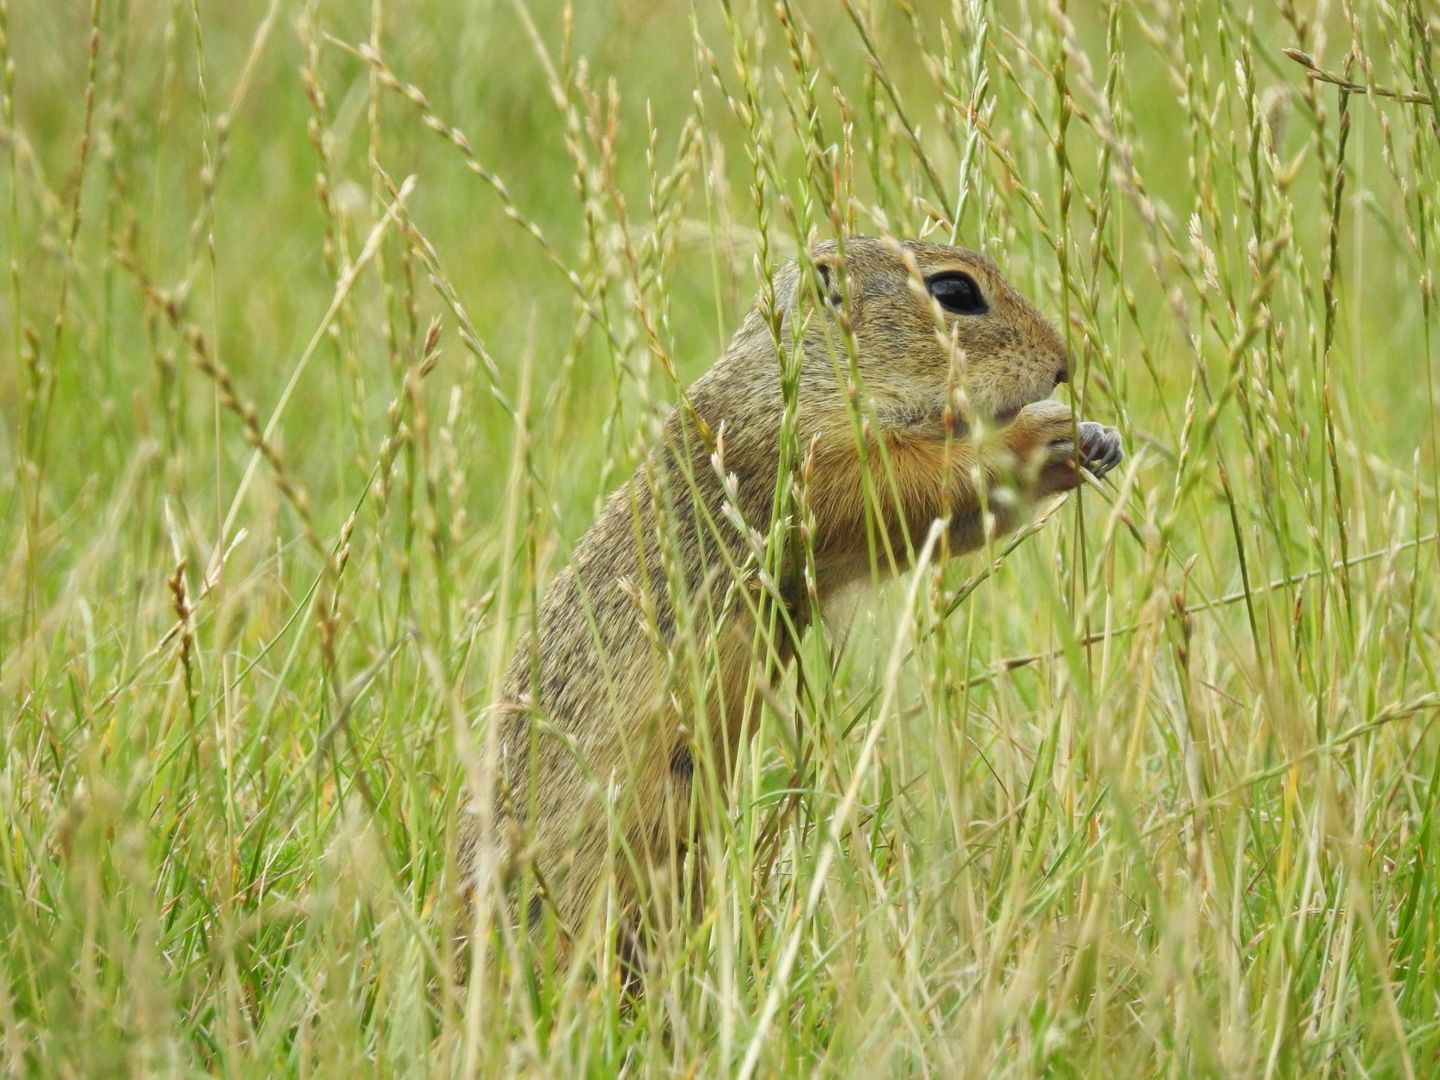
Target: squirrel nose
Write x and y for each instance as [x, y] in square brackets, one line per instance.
[1062, 374]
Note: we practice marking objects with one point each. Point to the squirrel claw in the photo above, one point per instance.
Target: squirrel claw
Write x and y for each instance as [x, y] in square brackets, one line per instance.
[1100, 449]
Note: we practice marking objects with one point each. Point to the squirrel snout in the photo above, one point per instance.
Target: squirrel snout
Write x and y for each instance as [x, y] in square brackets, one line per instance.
[1062, 373]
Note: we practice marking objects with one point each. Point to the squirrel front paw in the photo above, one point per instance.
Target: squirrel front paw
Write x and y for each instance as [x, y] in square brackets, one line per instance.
[1045, 434]
[1100, 449]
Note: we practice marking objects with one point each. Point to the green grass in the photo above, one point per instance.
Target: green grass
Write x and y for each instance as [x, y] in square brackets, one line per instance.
[329, 325]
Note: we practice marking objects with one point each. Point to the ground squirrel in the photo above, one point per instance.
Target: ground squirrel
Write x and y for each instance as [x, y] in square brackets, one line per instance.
[918, 380]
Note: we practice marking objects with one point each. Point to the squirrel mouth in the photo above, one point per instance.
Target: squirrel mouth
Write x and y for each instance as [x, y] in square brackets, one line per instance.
[1006, 416]
[959, 425]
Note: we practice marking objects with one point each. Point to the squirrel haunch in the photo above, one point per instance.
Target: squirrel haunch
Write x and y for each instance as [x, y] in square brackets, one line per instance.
[920, 394]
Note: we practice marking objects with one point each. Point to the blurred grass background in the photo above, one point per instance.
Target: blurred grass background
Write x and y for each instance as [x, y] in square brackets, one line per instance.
[287, 458]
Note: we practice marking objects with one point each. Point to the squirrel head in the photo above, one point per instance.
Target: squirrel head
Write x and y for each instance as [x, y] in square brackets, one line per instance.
[932, 326]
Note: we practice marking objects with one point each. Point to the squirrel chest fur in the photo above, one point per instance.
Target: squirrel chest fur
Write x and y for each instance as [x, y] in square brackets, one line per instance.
[919, 392]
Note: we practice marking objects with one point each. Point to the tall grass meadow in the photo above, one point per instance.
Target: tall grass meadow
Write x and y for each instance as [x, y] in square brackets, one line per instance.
[328, 327]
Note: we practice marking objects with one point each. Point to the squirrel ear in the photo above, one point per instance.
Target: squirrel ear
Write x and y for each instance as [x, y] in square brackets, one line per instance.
[828, 271]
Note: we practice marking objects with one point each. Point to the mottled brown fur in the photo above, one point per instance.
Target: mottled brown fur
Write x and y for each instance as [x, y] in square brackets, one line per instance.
[599, 705]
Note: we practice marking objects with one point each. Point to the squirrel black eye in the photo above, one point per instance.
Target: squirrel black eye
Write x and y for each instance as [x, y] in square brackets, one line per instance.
[958, 293]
